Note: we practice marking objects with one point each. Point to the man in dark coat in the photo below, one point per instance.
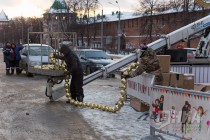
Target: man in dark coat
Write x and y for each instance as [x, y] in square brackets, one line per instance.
[75, 68]
[7, 51]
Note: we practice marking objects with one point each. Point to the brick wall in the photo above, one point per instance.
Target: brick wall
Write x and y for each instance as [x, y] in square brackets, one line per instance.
[136, 29]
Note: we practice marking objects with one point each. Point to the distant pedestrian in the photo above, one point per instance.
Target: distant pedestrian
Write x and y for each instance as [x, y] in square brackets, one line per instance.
[123, 42]
[17, 58]
[8, 58]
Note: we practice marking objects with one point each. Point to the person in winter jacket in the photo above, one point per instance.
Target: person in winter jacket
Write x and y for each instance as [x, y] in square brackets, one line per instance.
[75, 68]
[149, 63]
[17, 58]
[7, 51]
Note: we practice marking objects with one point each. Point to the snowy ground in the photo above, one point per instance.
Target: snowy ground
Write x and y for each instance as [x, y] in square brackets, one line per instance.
[121, 125]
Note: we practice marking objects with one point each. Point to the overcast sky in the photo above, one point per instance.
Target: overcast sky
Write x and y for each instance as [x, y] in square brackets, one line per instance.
[26, 8]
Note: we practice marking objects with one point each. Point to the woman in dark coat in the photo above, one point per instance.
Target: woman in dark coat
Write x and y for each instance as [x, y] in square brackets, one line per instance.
[75, 68]
[15, 63]
[7, 51]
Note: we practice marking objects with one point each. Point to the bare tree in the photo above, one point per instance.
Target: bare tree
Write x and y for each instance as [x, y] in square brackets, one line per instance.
[148, 8]
[83, 8]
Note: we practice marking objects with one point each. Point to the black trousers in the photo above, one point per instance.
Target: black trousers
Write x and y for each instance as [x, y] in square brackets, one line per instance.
[15, 64]
[8, 64]
[77, 84]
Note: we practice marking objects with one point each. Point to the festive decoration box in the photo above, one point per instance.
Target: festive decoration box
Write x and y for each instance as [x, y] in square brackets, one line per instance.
[137, 105]
[177, 80]
[166, 79]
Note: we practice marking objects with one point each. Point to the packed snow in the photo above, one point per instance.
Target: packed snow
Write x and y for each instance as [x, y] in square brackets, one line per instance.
[122, 125]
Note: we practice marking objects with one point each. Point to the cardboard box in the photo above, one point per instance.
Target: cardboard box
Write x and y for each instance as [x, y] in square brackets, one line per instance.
[177, 80]
[137, 105]
[164, 62]
[166, 79]
[202, 87]
[188, 81]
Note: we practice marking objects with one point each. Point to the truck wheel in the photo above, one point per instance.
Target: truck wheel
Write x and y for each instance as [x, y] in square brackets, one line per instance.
[28, 74]
[88, 70]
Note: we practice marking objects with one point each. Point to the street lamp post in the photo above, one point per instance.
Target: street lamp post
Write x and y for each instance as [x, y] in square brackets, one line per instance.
[118, 48]
[102, 27]
[118, 30]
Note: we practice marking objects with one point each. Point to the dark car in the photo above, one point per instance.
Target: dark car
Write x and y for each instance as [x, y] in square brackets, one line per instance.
[93, 59]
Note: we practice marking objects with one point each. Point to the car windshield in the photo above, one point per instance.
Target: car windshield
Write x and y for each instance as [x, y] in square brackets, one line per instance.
[96, 55]
[40, 50]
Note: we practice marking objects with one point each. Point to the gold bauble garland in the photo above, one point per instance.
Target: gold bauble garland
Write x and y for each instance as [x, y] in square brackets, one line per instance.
[114, 109]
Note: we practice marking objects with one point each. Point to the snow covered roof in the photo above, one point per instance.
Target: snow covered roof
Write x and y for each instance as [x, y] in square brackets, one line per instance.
[129, 15]
[3, 16]
[59, 6]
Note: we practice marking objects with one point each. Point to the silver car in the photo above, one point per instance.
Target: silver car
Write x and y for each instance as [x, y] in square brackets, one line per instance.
[33, 55]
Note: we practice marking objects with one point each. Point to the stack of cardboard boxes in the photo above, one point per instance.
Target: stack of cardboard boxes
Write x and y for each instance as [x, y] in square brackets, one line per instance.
[175, 79]
[170, 78]
[165, 66]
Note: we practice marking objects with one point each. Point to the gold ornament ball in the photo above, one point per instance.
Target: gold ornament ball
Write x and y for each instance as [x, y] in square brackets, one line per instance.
[122, 99]
[113, 110]
[123, 87]
[67, 76]
[72, 101]
[123, 92]
[67, 90]
[69, 98]
[91, 106]
[66, 85]
[94, 105]
[125, 73]
[67, 95]
[116, 108]
[103, 108]
[129, 69]
[106, 108]
[120, 104]
[109, 109]
[133, 65]
[123, 81]
[80, 104]
[99, 106]
[85, 104]
[76, 103]
[53, 61]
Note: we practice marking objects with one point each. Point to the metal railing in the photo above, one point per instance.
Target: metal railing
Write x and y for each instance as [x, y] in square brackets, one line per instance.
[201, 72]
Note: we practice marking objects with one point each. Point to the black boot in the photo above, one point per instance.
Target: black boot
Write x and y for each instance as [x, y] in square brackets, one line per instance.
[17, 71]
[7, 72]
[80, 99]
[12, 71]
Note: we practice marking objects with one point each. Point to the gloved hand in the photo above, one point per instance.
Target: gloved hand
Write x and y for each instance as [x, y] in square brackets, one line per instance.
[125, 76]
[55, 55]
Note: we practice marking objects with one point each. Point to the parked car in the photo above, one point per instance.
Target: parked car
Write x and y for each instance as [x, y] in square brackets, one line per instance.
[93, 59]
[34, 54]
